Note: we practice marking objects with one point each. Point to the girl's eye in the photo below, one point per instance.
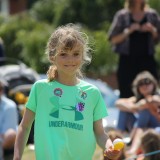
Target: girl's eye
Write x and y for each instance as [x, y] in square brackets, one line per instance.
[76, 54]
[63, 54]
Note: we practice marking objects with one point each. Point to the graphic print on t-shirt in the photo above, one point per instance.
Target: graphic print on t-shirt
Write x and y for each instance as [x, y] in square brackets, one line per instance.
[77, 108]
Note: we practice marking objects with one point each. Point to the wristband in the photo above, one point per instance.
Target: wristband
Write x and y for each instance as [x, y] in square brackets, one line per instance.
[154, 30]
[126, 32]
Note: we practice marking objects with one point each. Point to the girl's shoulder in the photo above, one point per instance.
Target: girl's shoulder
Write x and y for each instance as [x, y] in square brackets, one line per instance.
[41, 81]
[86, 83]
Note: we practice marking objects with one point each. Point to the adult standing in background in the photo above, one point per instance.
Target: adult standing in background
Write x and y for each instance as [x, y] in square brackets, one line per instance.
[134, 32]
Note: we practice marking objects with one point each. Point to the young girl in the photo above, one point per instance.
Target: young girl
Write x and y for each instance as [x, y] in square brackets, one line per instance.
[68, 111]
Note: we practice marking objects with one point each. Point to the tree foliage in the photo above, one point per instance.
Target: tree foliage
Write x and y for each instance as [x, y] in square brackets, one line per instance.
[25, 35]
[92, 13]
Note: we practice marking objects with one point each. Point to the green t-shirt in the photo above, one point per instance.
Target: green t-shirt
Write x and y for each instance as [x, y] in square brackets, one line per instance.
[64, 117]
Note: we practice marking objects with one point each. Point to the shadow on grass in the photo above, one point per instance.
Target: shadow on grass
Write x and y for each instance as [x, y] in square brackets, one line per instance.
[28, 154]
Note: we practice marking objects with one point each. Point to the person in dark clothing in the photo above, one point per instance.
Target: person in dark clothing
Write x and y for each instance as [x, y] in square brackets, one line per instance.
[133, 34]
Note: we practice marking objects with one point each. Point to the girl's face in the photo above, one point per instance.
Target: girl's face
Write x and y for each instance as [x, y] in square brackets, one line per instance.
[146, 87]
[69, 61]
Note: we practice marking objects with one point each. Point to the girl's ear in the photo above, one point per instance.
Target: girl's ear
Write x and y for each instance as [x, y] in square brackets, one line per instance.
[52, 58]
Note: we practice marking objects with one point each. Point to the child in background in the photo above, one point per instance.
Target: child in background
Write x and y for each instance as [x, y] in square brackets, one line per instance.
[68, 111]
[150, 142]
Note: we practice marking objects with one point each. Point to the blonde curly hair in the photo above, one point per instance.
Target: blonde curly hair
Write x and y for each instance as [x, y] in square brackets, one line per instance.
[67, 37]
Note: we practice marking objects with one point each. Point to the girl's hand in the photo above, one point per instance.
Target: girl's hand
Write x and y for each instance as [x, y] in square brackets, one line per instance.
[111, 154]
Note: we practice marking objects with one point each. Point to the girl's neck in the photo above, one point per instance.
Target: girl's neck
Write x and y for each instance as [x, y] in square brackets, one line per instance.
[69, 81]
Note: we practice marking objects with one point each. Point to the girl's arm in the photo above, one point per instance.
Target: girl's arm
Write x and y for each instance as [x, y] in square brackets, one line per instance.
[104, 141]
[101, 136]
[23, 134]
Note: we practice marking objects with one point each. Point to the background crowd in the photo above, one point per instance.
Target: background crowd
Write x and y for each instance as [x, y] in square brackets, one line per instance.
[134, 33]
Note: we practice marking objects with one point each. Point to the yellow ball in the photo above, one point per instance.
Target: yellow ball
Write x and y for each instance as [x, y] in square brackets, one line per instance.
[20, 97]
[118, 144]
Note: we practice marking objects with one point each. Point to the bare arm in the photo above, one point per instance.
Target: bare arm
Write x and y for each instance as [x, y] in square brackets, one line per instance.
[126, 104]
[104, 141]
[100, 134]
[154, 105]
[148, 27]
[120, 37]
[130, 104]
[23, 133]
[126, 32]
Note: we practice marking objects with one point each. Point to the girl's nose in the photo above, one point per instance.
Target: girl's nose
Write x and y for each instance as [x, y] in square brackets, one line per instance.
[70, 58]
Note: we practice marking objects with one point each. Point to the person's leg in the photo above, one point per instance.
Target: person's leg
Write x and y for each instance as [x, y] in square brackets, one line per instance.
[126, 73]
[135, 142]
[126, 121]
[9, 139]
[8, 144]
[124, 84]
[150, 64]
[153, 122]
[145, 120]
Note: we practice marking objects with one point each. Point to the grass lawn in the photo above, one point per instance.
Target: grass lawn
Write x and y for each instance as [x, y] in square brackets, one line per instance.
[29, 154]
